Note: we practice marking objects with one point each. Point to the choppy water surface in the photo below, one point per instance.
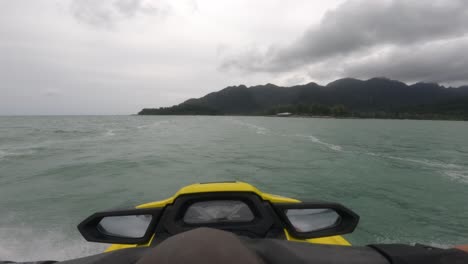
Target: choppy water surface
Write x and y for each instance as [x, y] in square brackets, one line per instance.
[407, 179]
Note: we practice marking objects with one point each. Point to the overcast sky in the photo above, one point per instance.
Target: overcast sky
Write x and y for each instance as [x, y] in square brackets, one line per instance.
[118, 56]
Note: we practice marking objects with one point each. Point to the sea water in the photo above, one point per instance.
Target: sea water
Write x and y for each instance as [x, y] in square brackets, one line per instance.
[408, 180]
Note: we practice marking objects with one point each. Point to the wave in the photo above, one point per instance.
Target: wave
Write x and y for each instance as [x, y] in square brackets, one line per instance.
[328, 145]
[34, 147]
[319, 141]
[75, 132]
[263, 131]
[109, 133]
[22, 243]
[426, 162]
[430, 163]
[437, 244]
[155, 124]
[258, 129]
[461, 176]
[7, 154]
[453, 171]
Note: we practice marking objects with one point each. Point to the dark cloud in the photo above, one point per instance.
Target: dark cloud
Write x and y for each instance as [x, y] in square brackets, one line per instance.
[106, 13]
[441, 61]
[359, 27]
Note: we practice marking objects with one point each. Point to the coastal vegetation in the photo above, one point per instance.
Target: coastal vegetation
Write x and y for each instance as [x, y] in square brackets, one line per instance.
[346, 98]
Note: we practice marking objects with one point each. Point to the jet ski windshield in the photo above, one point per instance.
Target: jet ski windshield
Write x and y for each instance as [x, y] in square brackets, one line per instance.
[218, 211]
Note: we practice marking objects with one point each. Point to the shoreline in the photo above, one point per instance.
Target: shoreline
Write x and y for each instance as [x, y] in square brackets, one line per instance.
[356, 117]
[327, 117]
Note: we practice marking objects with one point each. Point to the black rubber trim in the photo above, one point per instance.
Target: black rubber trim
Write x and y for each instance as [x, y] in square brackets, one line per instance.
[226, 181]
[420, 254]
[347, 224]
[269, 219]
[88, 227]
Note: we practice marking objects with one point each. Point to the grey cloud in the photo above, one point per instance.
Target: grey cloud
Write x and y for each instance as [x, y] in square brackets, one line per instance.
[443, 61]
[130, 8]
[357, 26]
[51, 92]
[106, 13]
[296, 79]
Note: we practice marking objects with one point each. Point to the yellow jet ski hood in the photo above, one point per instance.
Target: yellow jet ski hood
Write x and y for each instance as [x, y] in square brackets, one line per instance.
[237, 207]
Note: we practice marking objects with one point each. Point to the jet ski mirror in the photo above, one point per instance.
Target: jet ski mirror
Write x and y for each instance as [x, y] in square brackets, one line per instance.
[308, 220]
[120, 227]
[311, 220]
[131, 226]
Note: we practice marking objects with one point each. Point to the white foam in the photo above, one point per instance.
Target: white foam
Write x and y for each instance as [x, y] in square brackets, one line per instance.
[329, 145]
[437, 244]
[23, 243]
[15, 153]
[461, 176]
[318, 141]
[261, 131]
[430, 163]
[109, 133]
[455, 173]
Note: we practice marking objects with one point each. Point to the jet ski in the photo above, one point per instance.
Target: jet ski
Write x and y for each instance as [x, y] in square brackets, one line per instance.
[234, 222]
[236, 207]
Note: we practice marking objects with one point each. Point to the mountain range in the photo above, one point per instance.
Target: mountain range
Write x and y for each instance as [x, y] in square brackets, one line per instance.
[376, 97]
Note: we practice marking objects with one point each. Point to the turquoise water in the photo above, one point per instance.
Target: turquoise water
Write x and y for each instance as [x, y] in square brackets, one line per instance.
[407, 179]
